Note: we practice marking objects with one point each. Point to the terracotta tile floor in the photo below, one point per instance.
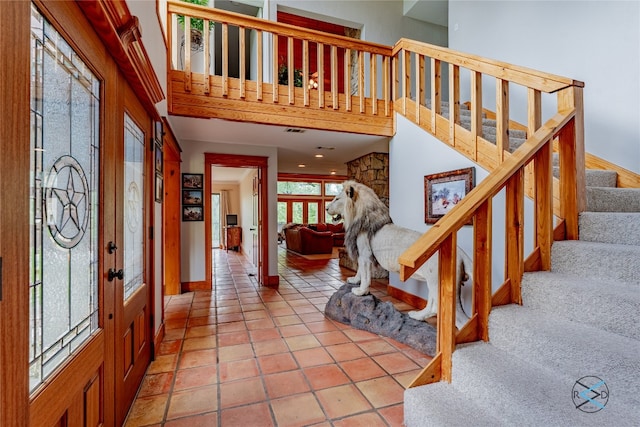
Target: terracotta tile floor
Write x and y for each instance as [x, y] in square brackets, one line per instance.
[246, 355]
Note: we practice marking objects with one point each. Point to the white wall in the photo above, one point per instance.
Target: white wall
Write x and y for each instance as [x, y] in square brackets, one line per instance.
[596, 42]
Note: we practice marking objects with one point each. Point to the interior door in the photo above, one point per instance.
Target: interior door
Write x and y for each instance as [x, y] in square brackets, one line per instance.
[132, 290]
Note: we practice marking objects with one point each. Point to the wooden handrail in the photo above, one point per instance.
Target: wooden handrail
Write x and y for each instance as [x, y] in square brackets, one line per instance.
[237, 19]
[535, 79]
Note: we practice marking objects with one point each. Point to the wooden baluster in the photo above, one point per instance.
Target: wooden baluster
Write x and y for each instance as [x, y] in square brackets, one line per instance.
[420, 84]
[534, 121]
[291, 71]
[476, 111]
[334, 76]
[361, 80]
[447, 304]
[242, 61]
[572, 158]
[436, 96]
[207, 56]
[259, 65]
[305, 72]
[482, 247]
[347, 79]
[225, 59]
[275, 66]
[454, 101]
[373, 76]
[320, 75]
[406, 80]
[514, 223]
[502, 118]
[187, 54]
[386, 87]
[543, 200]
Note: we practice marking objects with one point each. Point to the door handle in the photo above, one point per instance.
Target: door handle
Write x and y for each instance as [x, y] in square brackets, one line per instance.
[113, 274]
[111, 247]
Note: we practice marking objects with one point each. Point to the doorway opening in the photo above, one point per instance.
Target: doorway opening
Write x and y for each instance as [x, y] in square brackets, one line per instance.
[247, 200]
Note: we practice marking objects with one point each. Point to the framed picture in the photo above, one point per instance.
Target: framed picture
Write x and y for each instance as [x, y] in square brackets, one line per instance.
[158, 157]
[158, 132]
[442, 191]
[192, 213]
[192, 180]
[192, 197]
[159, 190]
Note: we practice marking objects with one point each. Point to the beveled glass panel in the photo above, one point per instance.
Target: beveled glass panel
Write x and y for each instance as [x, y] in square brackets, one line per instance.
[64, 196]
[133, 207]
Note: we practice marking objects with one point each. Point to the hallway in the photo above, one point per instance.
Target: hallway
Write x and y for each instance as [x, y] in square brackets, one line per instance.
[245, 355]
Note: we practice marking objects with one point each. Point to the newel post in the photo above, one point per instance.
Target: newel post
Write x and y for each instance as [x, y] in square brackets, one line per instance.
[572, 161]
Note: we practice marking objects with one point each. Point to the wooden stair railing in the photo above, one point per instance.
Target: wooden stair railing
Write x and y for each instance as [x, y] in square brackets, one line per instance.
[218, 90]
[522, 172]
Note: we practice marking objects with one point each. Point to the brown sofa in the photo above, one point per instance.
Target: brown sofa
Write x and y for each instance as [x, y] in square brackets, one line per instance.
[309, 239]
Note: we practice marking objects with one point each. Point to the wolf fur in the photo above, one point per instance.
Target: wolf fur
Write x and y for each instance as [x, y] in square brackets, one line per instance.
[371, 236]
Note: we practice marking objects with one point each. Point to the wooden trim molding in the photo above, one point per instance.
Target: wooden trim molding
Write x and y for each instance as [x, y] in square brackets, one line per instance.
[412, 300]
[201, 285]
[120, 32]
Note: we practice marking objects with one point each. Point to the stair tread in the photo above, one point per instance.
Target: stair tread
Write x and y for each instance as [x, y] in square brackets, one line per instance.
[567, 346]
[441, 404]
[496, 379]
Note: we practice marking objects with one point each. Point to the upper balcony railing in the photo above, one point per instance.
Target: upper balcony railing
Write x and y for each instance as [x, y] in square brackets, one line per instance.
[238, 67]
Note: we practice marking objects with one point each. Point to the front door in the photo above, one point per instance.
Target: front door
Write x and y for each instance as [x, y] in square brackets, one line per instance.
[68, 329]
[89, 319]
[132, 339]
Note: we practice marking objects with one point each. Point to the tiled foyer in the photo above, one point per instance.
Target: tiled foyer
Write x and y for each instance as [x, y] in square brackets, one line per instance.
[246, 355]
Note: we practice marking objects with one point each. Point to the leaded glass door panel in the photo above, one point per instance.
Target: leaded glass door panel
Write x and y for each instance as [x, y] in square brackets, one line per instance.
[133, 349]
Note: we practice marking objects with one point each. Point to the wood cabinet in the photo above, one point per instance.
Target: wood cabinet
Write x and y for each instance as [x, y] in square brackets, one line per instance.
[234, 238]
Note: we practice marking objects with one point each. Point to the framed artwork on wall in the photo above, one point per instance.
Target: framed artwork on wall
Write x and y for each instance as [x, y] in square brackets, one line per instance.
[192, 180]
[192, 213]
[442, 191]
[159, 190]
[158, 158]
[192, 197]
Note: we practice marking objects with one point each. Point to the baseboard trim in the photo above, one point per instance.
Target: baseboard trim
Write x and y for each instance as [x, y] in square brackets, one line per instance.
[157, 339]
[272, 281]
[195, 286]
[407, 298]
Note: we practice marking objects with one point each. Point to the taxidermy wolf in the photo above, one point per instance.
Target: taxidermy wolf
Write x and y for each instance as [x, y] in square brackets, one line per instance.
[371, 236]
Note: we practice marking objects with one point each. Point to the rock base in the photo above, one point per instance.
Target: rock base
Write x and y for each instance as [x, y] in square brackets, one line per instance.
[373, 315]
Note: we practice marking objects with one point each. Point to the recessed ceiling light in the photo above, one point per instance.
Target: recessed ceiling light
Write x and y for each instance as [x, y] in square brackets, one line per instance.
[302, 165]
[319, 156]
[333, 172]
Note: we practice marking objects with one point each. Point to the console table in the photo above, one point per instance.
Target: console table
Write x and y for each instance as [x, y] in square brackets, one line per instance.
[234, 238]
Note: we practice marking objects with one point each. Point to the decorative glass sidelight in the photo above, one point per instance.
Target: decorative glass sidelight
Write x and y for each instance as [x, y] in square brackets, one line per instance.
[64, 195]
[133, 207]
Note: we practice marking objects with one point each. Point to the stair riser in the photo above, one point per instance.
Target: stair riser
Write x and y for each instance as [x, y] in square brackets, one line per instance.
[596, 261]
[610, 227]
[610, 306]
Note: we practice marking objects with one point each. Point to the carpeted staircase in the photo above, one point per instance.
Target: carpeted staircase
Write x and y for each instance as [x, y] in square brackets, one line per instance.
[581, 319]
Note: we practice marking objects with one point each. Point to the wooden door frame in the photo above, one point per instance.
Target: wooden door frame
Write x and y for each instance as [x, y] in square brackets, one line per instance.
[15, 36]
[238, 161]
